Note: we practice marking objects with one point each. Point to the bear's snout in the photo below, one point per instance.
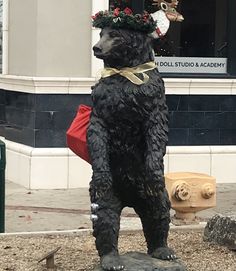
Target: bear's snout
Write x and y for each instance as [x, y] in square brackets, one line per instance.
[104, 47]
[97, 50]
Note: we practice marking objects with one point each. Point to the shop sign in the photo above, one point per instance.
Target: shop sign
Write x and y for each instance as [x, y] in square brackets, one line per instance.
[191, 65]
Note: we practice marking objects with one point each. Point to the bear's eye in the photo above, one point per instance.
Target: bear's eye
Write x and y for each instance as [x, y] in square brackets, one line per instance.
[101, 33]
[113, 34]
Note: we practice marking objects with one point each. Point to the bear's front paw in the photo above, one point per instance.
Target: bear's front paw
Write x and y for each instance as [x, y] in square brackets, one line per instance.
[164, 253]
[112, 262]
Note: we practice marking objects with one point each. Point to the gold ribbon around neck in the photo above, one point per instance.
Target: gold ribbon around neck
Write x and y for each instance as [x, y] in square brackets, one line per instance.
[129, 73]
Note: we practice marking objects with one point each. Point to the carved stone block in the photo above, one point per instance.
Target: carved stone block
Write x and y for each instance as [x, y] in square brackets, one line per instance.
[221, 230]
[189, 193]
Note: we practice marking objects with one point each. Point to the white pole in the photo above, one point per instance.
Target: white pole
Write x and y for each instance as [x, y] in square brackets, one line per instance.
[5, 28]
[96, 64]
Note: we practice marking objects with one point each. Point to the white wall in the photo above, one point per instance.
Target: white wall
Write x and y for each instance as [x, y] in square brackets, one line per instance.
[59, 168]
[50, 38]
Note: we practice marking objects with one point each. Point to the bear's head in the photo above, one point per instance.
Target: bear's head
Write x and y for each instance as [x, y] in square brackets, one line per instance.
[120, 48]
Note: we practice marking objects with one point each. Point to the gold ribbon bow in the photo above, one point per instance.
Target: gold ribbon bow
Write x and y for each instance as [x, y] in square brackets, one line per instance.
[129, 73]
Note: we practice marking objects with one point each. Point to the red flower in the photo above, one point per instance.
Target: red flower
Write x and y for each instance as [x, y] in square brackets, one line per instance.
[145, 18]
[116, 12]
[128, 11]
[95, 16]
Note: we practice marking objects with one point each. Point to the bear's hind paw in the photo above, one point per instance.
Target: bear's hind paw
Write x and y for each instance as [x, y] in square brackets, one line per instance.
[164, 253]
[112, 262]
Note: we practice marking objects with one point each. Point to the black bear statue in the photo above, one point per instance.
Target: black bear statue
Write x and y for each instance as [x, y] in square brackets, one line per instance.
[127, 138]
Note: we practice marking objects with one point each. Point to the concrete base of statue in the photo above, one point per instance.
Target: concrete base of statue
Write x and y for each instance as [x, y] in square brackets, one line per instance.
[136, 261]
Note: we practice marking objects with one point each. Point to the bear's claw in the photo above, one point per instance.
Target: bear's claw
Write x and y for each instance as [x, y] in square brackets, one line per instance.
[164, 253]
[112, 262]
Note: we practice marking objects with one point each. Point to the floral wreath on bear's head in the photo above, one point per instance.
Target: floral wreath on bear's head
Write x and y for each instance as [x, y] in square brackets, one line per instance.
[125, 19]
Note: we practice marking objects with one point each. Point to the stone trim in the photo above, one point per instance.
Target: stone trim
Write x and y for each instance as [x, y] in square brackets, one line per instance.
[47, 85]
[68, 85]
[59, 168]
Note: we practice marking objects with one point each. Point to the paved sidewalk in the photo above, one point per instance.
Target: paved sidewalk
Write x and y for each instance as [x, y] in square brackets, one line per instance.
[52, 210]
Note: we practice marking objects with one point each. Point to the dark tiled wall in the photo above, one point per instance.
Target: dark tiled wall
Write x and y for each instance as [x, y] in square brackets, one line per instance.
[202, 119]
[42, 120]
[38, 120]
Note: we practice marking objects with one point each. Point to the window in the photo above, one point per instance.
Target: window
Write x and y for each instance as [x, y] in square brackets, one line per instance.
[199, 43]
[202, 33]
[203, 44]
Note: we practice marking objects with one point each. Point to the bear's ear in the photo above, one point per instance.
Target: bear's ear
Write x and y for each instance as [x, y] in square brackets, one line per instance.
[136, 40]
[141, 42]
[149, 41]
[127, 36]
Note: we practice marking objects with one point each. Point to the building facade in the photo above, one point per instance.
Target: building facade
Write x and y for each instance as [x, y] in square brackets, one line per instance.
[48, 70]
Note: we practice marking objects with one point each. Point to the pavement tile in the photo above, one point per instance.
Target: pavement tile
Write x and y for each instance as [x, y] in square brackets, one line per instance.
[52, 210]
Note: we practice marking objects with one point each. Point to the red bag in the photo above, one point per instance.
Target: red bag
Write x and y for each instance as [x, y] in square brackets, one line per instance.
[76, 134]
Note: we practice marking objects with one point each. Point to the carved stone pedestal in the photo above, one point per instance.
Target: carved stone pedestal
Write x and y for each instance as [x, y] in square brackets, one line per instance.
[190, 193]
[136, 261]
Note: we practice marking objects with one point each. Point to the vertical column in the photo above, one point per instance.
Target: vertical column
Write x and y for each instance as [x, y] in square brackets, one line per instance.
[55, 41]
[97, 64]
[46, 75]
[5, 37]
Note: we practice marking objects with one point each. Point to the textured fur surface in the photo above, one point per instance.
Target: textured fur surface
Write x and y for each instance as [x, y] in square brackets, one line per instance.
[127, 139]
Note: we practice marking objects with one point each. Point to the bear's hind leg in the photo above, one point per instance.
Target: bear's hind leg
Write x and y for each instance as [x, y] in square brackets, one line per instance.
[105, 206]
[106, 210]
[106, 227]
[155, 218]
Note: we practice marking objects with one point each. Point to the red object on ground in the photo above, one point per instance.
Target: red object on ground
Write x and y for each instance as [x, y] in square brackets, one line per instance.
[77, 133]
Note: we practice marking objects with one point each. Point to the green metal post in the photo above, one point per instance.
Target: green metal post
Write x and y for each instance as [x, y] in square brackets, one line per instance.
[2, 185]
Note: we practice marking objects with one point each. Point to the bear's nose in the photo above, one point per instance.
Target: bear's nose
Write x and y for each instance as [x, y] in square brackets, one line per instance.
[97, 49]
